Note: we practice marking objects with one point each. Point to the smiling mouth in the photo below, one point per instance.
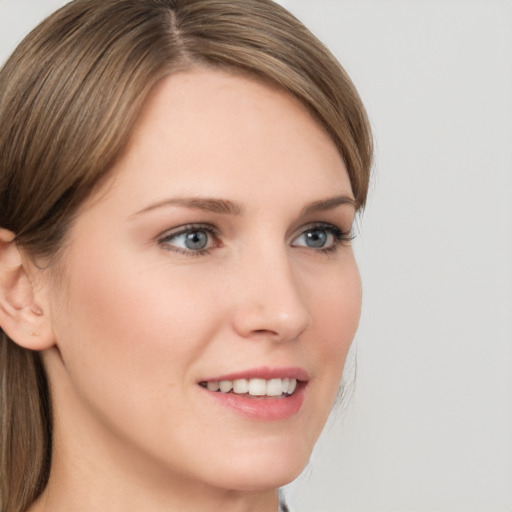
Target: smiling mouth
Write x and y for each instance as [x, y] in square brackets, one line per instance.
[253, 387]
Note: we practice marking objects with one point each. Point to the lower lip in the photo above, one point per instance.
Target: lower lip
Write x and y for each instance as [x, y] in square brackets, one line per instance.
[262, 408]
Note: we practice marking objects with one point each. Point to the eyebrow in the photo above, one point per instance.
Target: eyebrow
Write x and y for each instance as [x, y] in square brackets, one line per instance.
[224, 206]
[329, 204]
[228, 207]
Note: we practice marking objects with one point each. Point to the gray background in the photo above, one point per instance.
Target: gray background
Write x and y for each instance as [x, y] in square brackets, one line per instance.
[429, 427]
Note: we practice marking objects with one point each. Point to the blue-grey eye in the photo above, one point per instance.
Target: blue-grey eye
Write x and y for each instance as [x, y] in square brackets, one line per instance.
[316, 238]
[196, 240]
[320, 237]
[188, 240]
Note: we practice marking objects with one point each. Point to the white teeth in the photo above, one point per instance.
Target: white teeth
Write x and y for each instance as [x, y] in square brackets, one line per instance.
[213, 385]
[240, 386]
[225, 386]
[257, 387]
[254, 387]
[275, 387]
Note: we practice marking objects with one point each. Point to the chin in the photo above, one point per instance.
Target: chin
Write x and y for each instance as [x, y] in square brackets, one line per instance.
[264, 479]
[263, 469]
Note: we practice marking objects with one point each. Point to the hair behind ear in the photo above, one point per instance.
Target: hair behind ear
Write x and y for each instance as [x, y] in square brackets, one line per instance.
[25, 426]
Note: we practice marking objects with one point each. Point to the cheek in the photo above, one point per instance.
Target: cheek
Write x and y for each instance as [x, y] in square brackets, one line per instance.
[122, 332]
[338, 309]
[336, 318]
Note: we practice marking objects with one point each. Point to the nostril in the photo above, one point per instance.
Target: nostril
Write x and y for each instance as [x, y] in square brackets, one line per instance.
[265, 332]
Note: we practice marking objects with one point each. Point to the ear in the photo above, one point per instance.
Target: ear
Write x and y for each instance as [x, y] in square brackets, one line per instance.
[22, 307]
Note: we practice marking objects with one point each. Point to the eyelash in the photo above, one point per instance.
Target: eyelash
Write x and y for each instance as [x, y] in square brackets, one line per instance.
[340, 238]
[183, 230]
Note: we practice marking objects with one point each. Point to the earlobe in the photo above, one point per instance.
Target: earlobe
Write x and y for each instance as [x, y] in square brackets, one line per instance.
[22, 317]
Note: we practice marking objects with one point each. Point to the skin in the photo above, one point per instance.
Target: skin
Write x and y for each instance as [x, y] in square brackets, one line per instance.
[137, 321]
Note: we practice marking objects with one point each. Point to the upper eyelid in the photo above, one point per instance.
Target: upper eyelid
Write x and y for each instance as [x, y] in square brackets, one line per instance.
[185, 228]
[322, 225]
[213, 229]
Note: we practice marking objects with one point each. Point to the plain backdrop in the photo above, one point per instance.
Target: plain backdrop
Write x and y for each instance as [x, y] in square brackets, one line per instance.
[429, 426]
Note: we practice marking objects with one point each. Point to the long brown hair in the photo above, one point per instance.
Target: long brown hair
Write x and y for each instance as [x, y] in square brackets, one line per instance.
[69, 97]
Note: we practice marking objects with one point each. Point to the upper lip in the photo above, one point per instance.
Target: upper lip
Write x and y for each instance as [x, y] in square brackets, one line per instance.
[264, 372]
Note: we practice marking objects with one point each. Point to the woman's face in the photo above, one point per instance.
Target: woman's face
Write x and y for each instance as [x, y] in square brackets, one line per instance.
[217, 251]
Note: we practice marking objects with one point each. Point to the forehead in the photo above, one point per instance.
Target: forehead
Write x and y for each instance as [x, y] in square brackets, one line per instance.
[200, 126]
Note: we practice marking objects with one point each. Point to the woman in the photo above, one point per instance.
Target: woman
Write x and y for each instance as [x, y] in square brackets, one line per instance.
[177, 288]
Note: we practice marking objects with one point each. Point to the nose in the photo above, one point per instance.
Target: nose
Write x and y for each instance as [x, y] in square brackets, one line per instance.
[269, 302]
